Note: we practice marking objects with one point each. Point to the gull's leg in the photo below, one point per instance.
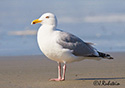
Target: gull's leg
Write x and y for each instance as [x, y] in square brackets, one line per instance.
[59, 74]
[64, 71]
[59, 70]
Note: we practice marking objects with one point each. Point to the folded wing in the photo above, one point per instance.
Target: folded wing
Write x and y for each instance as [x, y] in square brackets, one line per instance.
[78, 47]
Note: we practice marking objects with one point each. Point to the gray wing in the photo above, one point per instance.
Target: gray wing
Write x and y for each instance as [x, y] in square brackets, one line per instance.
[79, 47]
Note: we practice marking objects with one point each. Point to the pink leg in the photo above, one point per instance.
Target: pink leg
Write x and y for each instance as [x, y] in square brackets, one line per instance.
[64, 71]
[59, 74]
[59, 71]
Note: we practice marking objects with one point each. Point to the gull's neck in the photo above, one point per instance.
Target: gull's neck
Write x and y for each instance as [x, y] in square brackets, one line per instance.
[47, 28]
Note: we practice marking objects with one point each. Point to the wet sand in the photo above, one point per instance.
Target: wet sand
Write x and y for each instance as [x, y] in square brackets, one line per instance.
[35, 71]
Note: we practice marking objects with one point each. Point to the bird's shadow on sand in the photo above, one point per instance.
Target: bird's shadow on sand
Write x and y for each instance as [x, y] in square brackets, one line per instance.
[101, 78]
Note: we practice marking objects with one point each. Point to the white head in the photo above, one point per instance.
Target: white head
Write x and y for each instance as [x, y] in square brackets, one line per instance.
[47, 18]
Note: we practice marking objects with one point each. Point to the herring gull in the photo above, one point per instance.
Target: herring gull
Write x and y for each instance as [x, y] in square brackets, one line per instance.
[63, 47]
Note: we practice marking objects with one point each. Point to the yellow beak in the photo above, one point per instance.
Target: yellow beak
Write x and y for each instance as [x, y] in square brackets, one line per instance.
[36, 21]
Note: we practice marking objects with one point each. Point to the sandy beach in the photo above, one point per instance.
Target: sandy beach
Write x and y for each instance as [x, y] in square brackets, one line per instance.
[35, 72]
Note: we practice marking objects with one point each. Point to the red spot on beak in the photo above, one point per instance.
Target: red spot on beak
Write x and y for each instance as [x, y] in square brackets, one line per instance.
[34, 22]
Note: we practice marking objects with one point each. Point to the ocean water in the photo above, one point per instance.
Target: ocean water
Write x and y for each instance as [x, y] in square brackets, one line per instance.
[98, 21]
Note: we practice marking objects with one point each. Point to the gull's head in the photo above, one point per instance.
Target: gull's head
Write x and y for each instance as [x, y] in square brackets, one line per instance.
[47, 18]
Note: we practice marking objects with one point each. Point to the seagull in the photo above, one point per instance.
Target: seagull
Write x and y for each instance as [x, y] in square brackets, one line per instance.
[63, 47]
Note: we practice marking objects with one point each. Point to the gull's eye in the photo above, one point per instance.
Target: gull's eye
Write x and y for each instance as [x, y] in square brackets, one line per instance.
[47, 16]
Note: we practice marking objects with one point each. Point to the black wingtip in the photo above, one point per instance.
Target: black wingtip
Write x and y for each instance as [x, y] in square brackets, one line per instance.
[103, 55]
[109, 57]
